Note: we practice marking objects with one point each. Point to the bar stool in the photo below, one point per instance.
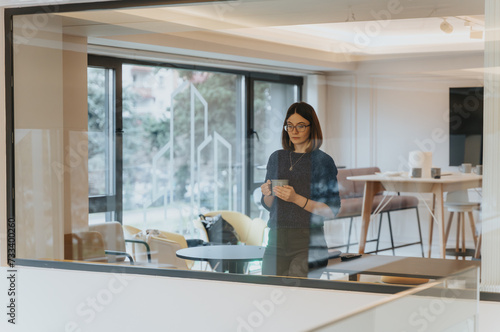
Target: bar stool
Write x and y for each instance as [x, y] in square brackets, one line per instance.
[479, 227]
[458, 202]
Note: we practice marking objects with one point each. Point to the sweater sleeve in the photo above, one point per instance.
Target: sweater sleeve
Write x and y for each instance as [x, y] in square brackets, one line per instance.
[324, 186]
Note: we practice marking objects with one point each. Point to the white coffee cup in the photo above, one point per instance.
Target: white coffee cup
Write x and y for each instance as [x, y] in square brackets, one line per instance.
[465, 168]
[478, 170]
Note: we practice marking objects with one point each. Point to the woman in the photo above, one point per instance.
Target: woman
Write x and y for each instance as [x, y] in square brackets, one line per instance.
[298, 210]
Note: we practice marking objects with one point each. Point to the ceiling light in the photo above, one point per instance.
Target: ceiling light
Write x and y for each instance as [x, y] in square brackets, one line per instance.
[474, 34]
[446, 27]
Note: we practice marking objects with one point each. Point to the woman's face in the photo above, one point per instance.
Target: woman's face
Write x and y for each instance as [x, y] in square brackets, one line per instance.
[299, 139]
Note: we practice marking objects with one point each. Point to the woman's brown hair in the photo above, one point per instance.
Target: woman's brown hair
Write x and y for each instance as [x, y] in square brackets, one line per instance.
[315, 134]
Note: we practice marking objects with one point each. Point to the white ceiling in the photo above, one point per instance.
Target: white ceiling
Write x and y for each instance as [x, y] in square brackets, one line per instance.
[317, 34]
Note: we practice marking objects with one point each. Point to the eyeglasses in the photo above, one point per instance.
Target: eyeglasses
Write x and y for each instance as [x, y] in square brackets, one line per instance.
[300, 127]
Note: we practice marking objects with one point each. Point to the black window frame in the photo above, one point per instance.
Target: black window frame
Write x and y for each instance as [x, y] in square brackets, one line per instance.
[114, 203]
[111, 203]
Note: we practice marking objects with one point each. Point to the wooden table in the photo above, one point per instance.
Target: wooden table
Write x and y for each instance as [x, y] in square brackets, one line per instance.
[378, 182]
[397, 266]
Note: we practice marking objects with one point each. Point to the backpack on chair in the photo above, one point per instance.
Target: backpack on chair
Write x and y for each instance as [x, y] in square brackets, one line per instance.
[219, 230]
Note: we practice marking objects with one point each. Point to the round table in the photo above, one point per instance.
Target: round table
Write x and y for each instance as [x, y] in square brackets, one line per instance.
[232, 257]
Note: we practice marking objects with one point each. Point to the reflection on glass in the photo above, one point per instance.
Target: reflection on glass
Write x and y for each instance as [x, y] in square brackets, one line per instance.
[179, 147]
[449, 304]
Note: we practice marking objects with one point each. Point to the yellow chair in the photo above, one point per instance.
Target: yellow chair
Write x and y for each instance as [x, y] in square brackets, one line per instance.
[163, 254]
[137, 244]
[139, 249]
[250, 231]
[179, 238]
[241, 222]
[114, 241]
[163, 247]
[201, 229]
[181, 241]
[255, 236]
[84, 246]
[130, 231]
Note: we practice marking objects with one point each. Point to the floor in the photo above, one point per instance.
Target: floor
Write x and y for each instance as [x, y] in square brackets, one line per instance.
[410, 251]
[406, 227]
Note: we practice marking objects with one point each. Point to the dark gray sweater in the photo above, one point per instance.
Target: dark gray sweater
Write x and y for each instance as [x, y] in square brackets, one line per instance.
[314, 176]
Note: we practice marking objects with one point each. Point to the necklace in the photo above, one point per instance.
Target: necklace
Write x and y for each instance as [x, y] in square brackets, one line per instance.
[295, 163]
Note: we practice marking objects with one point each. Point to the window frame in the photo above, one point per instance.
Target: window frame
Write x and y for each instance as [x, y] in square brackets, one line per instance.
[111, 204]
[114, 203]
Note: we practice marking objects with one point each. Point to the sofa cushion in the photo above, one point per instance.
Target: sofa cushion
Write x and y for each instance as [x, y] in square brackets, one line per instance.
[351, 194]
[346, 187]
[359, 186]
[349, 189]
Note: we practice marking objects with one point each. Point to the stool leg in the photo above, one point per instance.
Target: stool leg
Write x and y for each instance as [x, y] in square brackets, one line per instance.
[390, 232]
[431, 225]
[457, 242]
[431, 228]
[477, 254]
[379, 229]
[448, 226]
[420, 232]
[473, 227]
[463, 233]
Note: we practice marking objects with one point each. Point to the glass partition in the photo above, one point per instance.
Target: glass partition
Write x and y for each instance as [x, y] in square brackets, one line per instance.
[141, 119]
[145, 145]
[448, 304]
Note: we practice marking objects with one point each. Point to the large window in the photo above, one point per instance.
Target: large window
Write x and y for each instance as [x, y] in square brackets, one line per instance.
[181, 133]
[177, 142]
[270, 103]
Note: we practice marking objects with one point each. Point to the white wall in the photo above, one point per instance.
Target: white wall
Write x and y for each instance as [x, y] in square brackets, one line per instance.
[383, 110]
[62, 300]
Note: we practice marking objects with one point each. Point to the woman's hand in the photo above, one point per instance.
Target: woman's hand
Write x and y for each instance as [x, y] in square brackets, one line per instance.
[266, 188]
[286, 193]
